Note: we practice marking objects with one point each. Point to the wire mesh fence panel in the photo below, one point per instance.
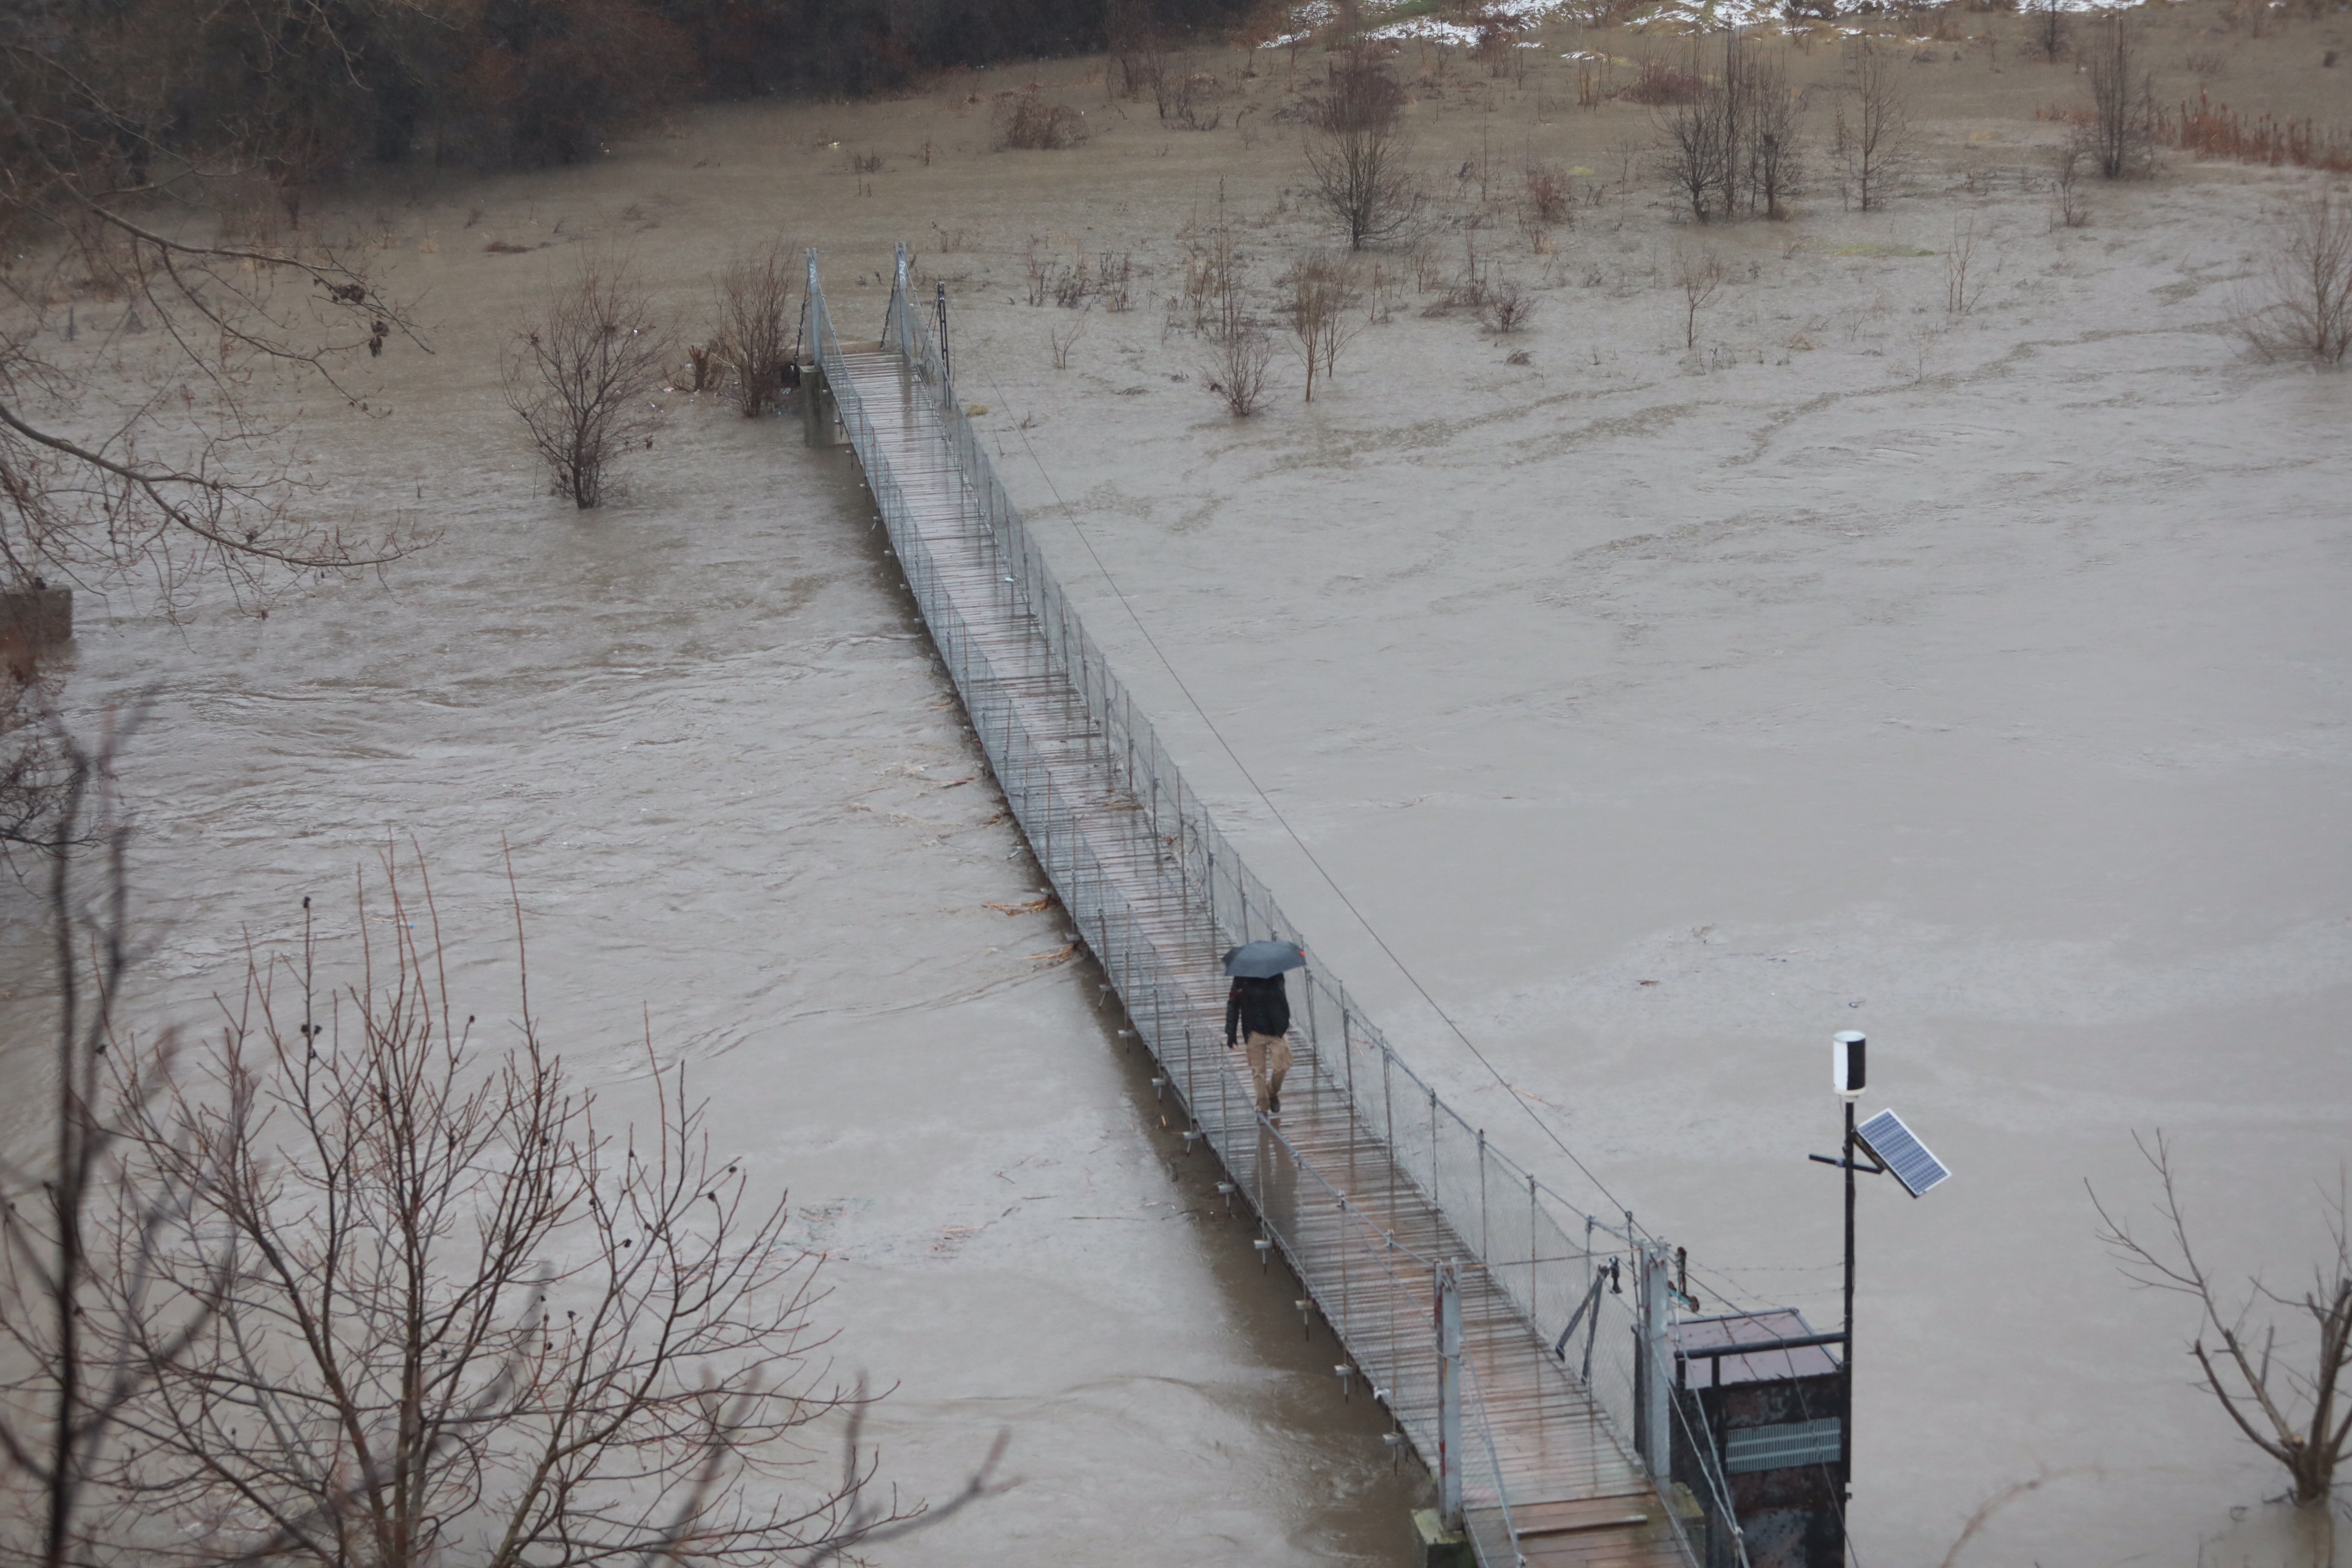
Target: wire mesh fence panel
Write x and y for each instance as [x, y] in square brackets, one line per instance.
[1156, 891]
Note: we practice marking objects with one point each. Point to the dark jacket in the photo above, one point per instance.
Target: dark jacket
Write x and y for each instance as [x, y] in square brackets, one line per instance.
[1259, 1007]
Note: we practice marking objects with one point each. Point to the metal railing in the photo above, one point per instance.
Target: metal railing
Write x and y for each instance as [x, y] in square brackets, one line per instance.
[1562, 1265]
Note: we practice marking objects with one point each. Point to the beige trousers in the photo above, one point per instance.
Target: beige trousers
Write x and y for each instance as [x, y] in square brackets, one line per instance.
[1269, 1059]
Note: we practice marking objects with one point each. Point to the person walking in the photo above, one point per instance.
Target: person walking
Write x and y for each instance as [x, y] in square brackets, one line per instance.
[1257, 1009]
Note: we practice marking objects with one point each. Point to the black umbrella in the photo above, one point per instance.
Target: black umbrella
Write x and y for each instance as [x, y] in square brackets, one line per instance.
[1257, 960]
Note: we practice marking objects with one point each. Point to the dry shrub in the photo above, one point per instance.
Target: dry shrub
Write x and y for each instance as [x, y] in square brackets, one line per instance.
[1507, 306]
[1322, 289]
[1659, 83]
[2210, 130]
[1497, 44]
[2070, 207]
[582, 376]
[1467, 288]
[1428, 265]
[1115, 280]
[1062, 340]
[1182, 92]
[1242, 369]
[2306, 310]
[755, 314]
[1027, 121]
[1547, 194]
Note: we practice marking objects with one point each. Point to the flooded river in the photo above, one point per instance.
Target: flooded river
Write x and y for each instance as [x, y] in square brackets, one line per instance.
[709, 728]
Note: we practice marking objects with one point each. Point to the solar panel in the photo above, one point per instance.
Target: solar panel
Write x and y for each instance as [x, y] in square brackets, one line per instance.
[1901, 1153]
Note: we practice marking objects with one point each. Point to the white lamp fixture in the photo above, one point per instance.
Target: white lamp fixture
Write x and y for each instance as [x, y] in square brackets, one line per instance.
[1846, 1064]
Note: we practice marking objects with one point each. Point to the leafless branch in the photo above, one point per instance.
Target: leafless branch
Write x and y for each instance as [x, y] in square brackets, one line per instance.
[2291, 1414]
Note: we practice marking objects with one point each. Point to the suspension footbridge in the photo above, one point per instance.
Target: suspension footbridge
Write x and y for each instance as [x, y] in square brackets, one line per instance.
[1522, 1343]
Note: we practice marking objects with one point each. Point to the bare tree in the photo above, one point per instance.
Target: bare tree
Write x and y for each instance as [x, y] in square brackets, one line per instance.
[1735, 92]
[369, 1293]
[756, 321]
[581, 377]
[2307, 310]
[144, 453]
[1690, 139]
[2070, 206]
[1137, 50]
[2046, 25]
[1964, 281]
[1730, 142]
[1240, 368]
[1776, 162]
[2296, 1412]
[1357, 151]
[1062, 340]
[2121, 135]
[1321, 293]
[1699, 275]
[1871, 139]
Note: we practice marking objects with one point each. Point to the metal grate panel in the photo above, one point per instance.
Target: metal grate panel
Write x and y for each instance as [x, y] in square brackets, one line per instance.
[1782, 1446]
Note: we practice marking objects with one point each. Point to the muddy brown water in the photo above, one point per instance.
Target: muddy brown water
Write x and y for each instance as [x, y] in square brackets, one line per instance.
[731, 776]
[2051, 590]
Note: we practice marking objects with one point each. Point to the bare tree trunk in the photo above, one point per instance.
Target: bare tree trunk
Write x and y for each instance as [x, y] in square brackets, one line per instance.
[74, 1243]
[1776, 165]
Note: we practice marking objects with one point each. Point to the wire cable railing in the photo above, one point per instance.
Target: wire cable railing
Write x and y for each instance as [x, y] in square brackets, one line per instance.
[1155, 890]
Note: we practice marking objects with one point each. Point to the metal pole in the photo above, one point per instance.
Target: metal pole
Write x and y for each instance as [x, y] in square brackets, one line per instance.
[1657, 1449]
[946, 366]
[1845, 1429]
[1449, 1396]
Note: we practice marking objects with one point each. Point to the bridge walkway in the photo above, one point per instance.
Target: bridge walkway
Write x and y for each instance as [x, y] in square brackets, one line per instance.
[1356, 1226]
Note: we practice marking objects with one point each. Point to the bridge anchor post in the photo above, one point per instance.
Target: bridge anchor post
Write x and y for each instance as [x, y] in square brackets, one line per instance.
[1449, 1396]
[1653, 1377]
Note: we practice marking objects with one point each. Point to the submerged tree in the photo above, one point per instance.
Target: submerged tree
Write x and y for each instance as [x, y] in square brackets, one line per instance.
[754, 344]
[2306, 308]
[2121, 135]
[2295, 1409]
[581, 374]
[1357, 151]
[358, 1289]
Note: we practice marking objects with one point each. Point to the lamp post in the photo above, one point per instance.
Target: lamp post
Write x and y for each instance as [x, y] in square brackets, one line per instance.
[1847, 1061]
[1893, 1150]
